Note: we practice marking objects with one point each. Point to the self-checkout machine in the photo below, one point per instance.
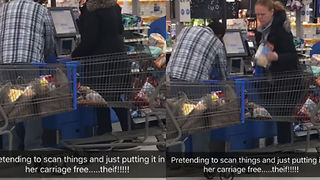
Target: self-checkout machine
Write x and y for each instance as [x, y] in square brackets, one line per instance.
[238, 59]
[81, 122]
[66, 31]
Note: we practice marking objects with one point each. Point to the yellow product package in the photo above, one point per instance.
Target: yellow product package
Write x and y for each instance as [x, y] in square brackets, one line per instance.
[187, 108]
[14, 94]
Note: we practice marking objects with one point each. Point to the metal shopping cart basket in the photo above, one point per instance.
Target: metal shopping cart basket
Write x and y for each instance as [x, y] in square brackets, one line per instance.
[286, 96]
[202, 106]
[122, 80]
[34, 90]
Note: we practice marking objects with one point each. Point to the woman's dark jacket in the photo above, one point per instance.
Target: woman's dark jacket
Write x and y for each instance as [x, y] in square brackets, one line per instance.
[101, 29]
[281, 37]
[277, 92]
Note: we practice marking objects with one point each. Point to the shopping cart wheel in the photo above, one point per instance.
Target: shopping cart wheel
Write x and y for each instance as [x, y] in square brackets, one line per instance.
[209, 175]
[226, 176]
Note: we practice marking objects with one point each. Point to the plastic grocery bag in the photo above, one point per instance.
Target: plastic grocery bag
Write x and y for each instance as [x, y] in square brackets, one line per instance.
[16, 108]
[188, 114]
[261, 55]
[306, 109]
[205, 114]
[57, 100]
[224, 114]
[257, 112]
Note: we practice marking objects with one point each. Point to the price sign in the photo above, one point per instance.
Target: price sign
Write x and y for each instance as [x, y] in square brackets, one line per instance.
[184, 11]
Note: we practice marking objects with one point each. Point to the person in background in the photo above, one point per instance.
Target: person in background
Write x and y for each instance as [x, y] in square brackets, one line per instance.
[83, 10]
[275, 30]
[101, 29]
[198, 51]
[26, 32]
[27, 35]
[82, 6]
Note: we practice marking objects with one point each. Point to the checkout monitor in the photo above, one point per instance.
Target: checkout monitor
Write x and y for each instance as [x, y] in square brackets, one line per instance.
[63, 20]
[235, 49]
[234, 44]
[65, 30]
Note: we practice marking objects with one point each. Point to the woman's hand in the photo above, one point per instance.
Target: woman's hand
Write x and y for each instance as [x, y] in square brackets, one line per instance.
[272, 56]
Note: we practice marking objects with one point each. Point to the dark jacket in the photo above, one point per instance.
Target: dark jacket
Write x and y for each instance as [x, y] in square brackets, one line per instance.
[281, 37]
[81, 19]
[284, 75]
[100, 28]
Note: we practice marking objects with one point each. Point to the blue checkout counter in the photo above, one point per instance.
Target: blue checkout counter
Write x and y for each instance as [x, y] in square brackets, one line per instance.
[245, 136]
[80, 123]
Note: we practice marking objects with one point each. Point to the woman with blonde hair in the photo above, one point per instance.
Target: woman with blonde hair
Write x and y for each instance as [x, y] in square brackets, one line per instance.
[274, 30]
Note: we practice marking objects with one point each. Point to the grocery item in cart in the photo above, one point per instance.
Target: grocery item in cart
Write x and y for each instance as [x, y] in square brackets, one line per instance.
[42, 96]
[56, 95]
[146, 89]
[256, 112]
[14, 102]
[187, 108]
[47, 83]
[14, 94]
[188, 113]
[227, 111]
[308, 105]
[89, 95]
[213, 110]
[4, 91]
[216, 98]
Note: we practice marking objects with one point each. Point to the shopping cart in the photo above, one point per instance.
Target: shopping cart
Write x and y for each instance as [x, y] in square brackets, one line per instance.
[288, 97]
[203, 106]
[34, 90]
[122, 80]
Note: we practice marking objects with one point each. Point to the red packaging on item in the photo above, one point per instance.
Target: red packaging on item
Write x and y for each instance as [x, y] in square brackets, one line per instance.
[140, 98]
[219, 94]
[308, 104]
[318, 81]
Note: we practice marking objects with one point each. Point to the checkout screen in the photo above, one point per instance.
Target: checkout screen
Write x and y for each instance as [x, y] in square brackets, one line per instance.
[63, 21]
[233, 43]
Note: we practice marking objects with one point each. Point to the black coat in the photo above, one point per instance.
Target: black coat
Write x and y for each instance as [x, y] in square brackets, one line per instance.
[81, 19]
[101, 32]
[284, 75]
[282, 39]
